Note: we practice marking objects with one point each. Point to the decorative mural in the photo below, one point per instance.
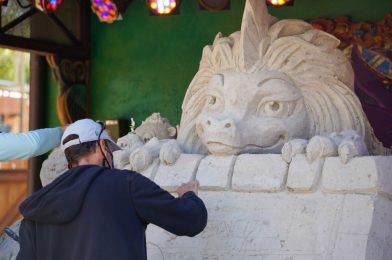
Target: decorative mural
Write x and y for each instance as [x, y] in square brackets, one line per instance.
[364, 34]
[72, 77]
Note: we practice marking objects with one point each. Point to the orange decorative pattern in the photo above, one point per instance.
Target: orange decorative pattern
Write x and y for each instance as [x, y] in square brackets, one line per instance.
[364, 34]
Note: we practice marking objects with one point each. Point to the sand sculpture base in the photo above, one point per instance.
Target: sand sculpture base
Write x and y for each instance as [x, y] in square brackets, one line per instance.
[260, 207]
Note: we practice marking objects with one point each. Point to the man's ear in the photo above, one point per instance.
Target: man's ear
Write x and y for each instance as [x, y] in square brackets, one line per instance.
[108, 147]
[101, 144]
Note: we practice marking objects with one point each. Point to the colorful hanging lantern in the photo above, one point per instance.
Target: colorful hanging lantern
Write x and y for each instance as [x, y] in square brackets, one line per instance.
[109, 10]
[162, 7]
[106, 10]
[47, 6]
[280, 3]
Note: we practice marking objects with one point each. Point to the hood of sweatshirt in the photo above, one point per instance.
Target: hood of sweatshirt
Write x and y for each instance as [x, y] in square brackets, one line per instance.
[61, 201]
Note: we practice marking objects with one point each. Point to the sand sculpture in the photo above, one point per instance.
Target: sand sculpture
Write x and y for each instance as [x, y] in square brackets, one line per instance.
[143, 146]
[273, 87]
[156, 126]
[277, 138]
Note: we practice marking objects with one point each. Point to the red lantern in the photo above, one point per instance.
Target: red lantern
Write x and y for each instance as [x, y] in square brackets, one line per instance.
[47, 6]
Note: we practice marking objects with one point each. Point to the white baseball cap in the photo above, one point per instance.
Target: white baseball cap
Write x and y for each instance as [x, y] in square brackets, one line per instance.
[87, 130]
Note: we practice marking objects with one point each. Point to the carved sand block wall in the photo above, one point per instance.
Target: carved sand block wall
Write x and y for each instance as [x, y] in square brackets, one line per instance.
[260, 207]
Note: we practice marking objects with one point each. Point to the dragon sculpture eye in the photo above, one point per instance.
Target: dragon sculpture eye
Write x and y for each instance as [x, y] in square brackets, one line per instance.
[274, 106]
[276, 109]
[213, 104]
[211, 100]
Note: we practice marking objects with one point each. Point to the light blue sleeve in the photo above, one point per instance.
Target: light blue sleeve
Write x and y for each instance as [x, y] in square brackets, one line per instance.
[29, 144]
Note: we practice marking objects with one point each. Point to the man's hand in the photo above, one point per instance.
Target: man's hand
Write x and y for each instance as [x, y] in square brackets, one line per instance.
[190, 186]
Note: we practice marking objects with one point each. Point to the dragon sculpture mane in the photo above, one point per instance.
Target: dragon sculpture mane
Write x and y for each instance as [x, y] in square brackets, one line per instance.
[308, 58]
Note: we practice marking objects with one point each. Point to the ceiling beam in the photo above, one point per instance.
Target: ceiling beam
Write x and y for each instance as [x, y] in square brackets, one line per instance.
[42, 47]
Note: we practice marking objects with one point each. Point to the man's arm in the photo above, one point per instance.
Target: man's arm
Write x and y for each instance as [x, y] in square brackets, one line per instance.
[185, 215]
[29, 144]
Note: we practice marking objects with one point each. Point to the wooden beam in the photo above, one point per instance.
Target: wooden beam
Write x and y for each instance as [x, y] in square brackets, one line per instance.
[36, 115]
[42, 47]
[84, 27]
[18, 20]
[65, 30]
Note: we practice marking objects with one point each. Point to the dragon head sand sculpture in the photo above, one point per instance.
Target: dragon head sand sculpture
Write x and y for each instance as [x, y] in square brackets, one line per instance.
[271, 82]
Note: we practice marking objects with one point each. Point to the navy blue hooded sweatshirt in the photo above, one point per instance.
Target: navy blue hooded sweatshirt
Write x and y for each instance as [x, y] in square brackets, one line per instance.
[94, 213]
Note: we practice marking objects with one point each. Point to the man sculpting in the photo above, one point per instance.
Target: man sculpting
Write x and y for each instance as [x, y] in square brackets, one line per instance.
[93, 211]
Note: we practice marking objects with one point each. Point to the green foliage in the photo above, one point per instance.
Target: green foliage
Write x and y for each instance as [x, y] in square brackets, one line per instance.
[27, 68]
[6, 64]
[9, 59]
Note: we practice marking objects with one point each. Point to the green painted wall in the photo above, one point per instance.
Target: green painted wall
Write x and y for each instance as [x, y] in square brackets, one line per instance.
[144, 64]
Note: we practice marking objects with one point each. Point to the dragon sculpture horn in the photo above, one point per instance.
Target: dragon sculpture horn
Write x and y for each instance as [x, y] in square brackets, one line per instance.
[255, 24]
